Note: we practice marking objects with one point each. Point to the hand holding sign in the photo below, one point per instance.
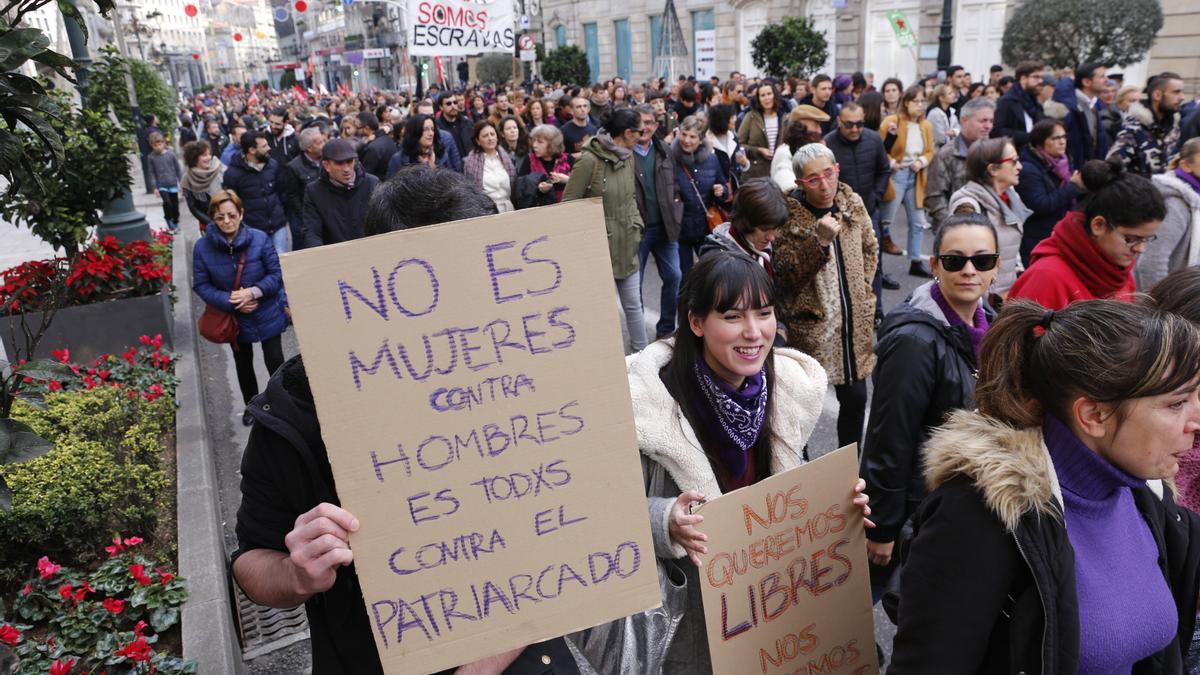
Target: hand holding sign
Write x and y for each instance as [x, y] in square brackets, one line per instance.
[318, 545]
[682, 526]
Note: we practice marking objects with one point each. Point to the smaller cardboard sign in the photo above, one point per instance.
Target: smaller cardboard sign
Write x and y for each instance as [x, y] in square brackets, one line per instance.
[785, 582]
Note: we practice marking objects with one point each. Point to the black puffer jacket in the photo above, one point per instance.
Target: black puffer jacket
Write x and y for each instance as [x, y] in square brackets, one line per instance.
[865, 165]
[334, 213]
[259, 192]
[988, 583]
[926, 369]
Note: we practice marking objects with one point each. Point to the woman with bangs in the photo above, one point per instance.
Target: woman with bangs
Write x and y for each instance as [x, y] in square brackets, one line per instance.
[705, 405]
[1050, 542]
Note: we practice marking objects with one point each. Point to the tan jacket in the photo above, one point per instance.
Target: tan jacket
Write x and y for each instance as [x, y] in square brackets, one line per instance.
[897, 153]
[809, 288]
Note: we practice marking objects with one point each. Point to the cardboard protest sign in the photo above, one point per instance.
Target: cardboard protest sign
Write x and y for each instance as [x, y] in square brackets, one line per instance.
[785, 581]
[471, 388]
[460, 27]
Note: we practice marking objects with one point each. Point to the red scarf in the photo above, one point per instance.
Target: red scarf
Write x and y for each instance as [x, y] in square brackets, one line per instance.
[1073, 243]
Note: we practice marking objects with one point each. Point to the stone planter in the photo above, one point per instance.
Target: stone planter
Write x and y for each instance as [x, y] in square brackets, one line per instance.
[89, 331]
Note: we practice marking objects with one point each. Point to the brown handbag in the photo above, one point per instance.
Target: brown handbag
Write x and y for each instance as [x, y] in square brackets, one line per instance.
[218, 325]
[714, 214]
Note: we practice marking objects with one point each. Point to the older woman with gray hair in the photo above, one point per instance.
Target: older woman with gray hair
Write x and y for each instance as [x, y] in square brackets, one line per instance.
[543, 173]
[702, 185]
[824, 263]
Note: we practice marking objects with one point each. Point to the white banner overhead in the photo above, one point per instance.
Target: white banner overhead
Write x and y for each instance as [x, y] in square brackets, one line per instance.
[460, 27]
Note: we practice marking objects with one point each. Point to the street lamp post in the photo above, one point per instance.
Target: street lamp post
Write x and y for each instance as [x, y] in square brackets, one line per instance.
[945, 37]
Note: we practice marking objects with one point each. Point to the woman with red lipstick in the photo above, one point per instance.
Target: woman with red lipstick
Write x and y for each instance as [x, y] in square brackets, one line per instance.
[1090, 254]
[716, 409]
[928, 354]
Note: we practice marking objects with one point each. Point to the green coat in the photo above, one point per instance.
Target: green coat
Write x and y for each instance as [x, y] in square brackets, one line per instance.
[600, 172]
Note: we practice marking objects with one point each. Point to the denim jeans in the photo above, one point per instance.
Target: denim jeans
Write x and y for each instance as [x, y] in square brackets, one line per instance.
[629, 292]
[666, 257]
[905, 184]
[280, 239]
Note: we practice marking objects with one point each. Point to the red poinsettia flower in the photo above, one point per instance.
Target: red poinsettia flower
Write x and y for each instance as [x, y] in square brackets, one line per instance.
[55, 385]
[61, 355]
[65, 591]
[113, 605]
[139, 574]
[46, 568]
[137, 650]
[27, 590]
[165, 577]
[9, 635]
[60, 667]
[133, 541]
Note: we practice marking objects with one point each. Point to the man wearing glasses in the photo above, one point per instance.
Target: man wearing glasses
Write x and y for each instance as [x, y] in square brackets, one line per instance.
[452, 120]
[825, 260]
[865, 167]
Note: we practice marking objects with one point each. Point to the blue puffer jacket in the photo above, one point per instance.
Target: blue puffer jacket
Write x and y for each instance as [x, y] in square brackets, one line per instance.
[705, 173]
[259, 192]
[214, 264]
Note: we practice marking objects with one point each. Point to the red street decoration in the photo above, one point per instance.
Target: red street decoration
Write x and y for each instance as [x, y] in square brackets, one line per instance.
[900, 24]
[191, 10]
[196, 57]
[301, 6]
[237, 37]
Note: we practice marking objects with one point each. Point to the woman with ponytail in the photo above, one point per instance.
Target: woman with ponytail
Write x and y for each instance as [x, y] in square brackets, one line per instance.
[1049, 543]
[1091, 252]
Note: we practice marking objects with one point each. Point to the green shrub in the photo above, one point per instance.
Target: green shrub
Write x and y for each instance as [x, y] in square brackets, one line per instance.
[104, 476]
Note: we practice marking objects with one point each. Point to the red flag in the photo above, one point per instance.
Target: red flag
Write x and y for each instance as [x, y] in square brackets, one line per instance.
[441, 74]
[300, 93]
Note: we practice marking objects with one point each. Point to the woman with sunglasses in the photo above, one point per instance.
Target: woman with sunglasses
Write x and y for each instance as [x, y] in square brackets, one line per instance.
[927, 354]
[1090, 254]
[993, 169]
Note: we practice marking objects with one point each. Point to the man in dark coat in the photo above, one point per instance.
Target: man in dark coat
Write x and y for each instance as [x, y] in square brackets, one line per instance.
[864, 165]
[822, 99]
[661, 209]
[285, 146]
[335, 204]
[254, 176]
[453, 121]
[377, 149]
[292, 533]
[294, 178]
[1085, 134]
[1018, 109]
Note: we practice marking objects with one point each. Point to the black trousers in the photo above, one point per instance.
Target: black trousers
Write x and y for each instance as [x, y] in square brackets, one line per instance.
[852, 412]
[243, 360]
[170, 202]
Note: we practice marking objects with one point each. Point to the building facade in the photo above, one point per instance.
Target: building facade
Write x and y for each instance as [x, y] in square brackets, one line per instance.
[622, 38]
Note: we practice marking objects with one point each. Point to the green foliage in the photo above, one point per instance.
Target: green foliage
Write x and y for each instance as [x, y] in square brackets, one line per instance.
[1066, 33]
[60, 205]
[106, 621]
[567, 64]
[494, 68]
[106, 88]
[288, 80]
[104, 475]
[790, 47]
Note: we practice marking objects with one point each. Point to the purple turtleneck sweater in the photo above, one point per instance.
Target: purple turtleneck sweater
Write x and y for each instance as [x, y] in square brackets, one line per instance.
[1126, 611]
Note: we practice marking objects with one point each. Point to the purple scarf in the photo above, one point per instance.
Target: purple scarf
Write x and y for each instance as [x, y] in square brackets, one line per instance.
[1188, 178]
[974, 332]
[732, 418]
[1060, 165]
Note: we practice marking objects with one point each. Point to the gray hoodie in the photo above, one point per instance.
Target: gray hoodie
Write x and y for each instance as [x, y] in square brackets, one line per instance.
[164, 170]
[1170, 251]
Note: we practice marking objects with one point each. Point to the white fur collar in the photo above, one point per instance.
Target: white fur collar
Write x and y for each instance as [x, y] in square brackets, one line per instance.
[665, 436]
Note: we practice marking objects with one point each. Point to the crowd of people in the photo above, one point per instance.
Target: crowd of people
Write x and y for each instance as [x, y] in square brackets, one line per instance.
[1028, 402]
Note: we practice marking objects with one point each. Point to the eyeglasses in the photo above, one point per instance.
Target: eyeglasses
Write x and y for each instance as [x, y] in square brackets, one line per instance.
[1133, 241]
[828, 175]
[854, 125]
[1014, 159]
[982, 262]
